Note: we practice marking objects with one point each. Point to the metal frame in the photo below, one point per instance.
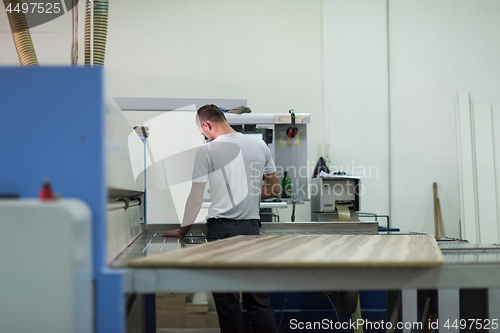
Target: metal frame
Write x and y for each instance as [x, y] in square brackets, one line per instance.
[183, 280]
[171, 104]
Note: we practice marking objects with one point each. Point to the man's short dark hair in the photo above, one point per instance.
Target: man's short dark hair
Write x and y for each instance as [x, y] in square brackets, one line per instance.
[211, 112]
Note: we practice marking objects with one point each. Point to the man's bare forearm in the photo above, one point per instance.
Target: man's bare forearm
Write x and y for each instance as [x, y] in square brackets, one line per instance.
[193, 204]
[270, 191]
[271, 187]
[184, 230]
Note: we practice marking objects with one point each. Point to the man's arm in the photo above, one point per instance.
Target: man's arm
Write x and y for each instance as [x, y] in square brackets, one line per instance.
[193, 205]
[271, 187]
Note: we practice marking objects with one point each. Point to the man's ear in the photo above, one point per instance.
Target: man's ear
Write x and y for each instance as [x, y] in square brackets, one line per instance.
[207, 125]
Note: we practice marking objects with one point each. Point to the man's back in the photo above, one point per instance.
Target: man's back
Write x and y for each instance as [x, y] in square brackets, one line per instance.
[235, 164]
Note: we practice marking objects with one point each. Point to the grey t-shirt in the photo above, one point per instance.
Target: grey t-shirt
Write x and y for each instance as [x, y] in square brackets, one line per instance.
[234, 165]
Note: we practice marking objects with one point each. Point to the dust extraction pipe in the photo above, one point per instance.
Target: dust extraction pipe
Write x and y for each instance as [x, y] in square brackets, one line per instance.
[97, 37]
[21, 35]
[88, 20]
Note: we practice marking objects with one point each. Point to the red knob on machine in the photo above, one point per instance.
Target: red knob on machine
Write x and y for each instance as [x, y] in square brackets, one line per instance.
[292, 131]
[46, 192]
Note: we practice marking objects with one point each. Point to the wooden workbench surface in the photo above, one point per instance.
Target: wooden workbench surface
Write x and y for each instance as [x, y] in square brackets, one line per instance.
[325, 251]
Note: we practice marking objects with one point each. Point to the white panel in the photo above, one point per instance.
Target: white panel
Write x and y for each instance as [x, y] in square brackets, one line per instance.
[409, 302]
[123, 226]
[449, 308]
[468, 188]
[485, 175]
[495, 121]
[494, 304]
[459, 169]
[115, 232]
[46, 260]
[124, 151]
[170, 133]
[160, 207]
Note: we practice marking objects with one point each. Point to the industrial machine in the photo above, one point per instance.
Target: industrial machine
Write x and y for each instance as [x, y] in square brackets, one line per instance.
[335, 197]
[289, 154]
[46, 264]
[57, 252]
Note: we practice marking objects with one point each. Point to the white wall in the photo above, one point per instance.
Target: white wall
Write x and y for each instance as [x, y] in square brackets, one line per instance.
[437, 48]
[356, 104]
[434, 49]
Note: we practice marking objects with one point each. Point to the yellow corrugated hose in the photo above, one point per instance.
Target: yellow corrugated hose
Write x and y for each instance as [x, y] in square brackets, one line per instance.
[21, 35]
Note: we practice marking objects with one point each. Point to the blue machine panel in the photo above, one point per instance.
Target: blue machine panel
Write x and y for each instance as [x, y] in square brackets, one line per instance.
[53, 126]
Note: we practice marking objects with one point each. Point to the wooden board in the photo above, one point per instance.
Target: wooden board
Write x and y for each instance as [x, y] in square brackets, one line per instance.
[278, 251]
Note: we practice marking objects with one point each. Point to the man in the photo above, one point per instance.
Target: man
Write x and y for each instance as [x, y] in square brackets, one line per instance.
[240, 172]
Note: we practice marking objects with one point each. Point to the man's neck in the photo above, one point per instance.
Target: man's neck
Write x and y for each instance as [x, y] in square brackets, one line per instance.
[224, 129]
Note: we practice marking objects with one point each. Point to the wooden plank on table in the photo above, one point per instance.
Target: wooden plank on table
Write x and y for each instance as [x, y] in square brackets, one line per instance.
[322, 251]
[495, 118]
[485, 174]
[466, 168]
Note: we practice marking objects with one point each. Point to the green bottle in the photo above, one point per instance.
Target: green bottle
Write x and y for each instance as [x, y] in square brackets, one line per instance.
[286, 186]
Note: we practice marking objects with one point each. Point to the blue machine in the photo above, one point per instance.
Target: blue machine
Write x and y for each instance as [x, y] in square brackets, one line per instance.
[53, 126]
